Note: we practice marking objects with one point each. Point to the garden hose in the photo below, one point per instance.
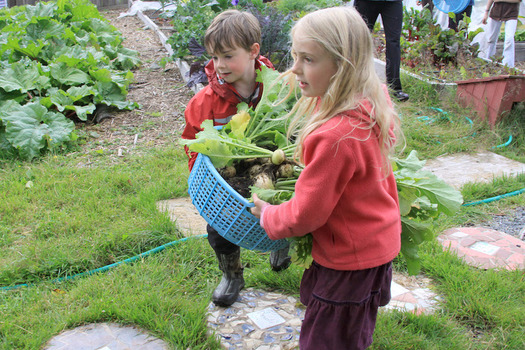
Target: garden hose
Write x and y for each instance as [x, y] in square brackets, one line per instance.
[110, 266]
[492, 199]
[167, 245]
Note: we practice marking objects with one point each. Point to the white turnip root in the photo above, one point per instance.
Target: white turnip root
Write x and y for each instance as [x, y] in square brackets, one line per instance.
[285, 170]
[263, 181]
[228, 172]
[278, 156]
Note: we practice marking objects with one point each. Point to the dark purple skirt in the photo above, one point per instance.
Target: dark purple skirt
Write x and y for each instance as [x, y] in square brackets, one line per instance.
[341, 306]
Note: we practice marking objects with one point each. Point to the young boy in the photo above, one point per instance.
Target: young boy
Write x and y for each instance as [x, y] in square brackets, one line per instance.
[233, 40]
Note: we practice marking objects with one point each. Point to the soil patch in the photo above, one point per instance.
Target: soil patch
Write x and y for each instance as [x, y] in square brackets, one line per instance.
[159, 88]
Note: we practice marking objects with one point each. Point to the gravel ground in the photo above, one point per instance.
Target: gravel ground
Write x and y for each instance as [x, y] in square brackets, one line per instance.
[513, 224]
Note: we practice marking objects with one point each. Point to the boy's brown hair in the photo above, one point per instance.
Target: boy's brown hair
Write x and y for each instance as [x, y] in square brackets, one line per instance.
[232, 29]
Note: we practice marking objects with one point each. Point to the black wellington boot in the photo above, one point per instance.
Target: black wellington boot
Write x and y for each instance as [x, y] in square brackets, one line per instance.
[232, 280]
[279, 259]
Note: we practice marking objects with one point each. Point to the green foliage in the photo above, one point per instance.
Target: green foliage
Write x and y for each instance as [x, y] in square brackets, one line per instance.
[518, 36]
[252, 132]
[58, 62]
[422, 198]
[190, 21]
[423, 41]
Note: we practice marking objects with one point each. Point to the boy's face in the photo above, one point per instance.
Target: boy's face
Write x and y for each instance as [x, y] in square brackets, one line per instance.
[236, 64]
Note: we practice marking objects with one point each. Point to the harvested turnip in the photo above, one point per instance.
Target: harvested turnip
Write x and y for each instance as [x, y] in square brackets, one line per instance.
[263, 181]
[255, 170]
[228, 172]
[278, 156]
[285, 170]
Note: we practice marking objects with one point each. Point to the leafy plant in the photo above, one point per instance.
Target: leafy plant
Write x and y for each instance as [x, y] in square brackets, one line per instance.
[252, 132]
[58, 62]
[422, 198]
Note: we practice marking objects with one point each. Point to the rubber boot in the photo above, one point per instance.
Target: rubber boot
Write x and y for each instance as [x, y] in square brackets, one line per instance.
[232, 280]
[279, 259]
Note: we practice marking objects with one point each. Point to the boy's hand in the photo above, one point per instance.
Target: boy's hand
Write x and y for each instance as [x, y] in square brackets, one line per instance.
[259, 206]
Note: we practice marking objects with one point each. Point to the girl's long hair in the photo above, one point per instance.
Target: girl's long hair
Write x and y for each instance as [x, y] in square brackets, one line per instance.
[344, 35]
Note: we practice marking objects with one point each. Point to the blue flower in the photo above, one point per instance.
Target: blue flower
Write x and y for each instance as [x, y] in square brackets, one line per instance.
[235, 2]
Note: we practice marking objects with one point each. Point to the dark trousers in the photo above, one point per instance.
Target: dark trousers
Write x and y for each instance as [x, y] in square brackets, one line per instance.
[392, 16]
[428, 4]
[220, 244]
[453, 23]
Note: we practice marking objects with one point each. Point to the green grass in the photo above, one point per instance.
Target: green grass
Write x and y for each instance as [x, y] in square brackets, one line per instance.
[71, 213]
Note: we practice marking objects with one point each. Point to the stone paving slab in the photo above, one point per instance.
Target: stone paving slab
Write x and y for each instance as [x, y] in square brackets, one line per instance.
[484, 247]
[459, 169]
[105, 336]
[184, 213]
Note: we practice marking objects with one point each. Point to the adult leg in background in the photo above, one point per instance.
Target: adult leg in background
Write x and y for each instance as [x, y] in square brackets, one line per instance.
[509, 45]
[491, 36]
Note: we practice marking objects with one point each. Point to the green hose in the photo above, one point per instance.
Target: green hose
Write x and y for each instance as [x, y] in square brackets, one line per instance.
[110, 266]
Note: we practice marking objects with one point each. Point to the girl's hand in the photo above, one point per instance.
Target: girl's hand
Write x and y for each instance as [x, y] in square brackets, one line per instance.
[259, 206]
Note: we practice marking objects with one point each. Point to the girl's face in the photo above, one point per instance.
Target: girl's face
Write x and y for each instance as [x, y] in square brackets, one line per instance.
[236, 64]
[313, 65]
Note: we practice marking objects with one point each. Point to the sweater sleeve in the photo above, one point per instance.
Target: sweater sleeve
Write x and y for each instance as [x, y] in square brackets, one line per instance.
[318, 189]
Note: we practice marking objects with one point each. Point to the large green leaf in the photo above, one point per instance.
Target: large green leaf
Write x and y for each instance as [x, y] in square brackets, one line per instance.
[28, 48]
[64, 100]
[447, 198]
[23, 77]
[68, 75]
[31, 127]
[44, 28]
[127, 59]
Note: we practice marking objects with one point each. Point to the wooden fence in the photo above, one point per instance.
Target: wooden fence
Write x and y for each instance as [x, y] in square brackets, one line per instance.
[99, 3]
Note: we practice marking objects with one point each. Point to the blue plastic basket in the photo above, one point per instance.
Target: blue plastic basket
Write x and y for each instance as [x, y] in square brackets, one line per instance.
[226, 210]
[455, 6]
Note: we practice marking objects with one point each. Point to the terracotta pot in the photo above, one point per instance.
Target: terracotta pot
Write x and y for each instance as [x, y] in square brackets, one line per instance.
[491, 97]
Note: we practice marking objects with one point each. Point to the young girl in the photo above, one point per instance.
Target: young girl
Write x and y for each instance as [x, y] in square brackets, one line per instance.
[346, 195]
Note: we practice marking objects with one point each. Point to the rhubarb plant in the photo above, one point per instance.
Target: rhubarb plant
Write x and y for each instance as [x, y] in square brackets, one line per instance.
[59, 62]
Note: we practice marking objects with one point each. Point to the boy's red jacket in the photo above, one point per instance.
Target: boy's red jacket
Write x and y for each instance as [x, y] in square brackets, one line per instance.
[217, 101]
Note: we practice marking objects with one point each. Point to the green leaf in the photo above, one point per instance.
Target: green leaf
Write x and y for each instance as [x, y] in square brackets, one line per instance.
[23, 77]
[28, 48]
[31, 127]
[44, 28]
[208, 142]
[127, 59]
[68, 75]
[446, 197]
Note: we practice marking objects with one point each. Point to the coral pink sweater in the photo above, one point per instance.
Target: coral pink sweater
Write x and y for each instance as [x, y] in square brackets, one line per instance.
[343, 198]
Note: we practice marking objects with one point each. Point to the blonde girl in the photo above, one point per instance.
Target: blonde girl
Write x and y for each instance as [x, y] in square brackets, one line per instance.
[346, 195]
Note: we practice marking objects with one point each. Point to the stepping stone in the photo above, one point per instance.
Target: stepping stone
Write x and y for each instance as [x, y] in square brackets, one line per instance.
[105, 336]
[258, 320]
[184, 213]
[484, 247]
[459, 169]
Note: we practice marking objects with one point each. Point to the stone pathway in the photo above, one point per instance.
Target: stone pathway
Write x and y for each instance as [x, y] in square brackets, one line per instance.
[459, 169]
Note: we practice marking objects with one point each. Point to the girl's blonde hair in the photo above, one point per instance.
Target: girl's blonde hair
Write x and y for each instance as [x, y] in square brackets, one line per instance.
[344, 35]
